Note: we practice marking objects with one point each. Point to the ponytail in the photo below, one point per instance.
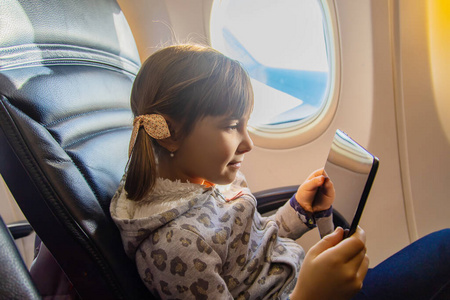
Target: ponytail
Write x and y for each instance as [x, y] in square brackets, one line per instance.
[141, 173]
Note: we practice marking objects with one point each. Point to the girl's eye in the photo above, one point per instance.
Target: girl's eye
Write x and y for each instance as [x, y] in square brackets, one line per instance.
[233, 126]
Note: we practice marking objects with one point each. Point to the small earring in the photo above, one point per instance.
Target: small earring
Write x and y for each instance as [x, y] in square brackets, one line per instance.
[172, 154]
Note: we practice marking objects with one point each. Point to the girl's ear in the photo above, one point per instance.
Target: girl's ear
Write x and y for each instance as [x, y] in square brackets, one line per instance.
[172, 143]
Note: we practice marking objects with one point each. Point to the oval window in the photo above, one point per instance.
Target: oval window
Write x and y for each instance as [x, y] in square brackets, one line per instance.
[285, 47]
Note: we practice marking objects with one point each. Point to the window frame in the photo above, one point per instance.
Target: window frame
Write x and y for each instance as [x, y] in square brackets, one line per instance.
[298, 133]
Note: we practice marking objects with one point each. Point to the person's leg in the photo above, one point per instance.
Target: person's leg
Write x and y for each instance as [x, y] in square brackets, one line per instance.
[419, 271]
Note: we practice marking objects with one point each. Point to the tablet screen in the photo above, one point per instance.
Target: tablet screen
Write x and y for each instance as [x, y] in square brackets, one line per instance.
[352, 170]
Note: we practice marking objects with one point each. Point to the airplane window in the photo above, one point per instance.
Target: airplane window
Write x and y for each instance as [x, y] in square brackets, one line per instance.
[283, 45]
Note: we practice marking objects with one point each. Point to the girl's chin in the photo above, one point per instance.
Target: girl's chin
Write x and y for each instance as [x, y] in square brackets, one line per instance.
[225, 180]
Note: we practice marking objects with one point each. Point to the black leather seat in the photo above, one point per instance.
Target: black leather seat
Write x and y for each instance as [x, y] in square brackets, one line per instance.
[16, 282]
[66, 70]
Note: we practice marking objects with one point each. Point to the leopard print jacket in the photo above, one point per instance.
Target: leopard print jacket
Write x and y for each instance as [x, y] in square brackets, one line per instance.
[192, 242]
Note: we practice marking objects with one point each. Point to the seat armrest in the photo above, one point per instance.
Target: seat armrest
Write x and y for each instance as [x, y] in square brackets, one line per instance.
[20, 229]
[271, 199]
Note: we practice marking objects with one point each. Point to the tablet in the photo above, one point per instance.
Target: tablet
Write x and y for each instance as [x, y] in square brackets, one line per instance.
[352, 170]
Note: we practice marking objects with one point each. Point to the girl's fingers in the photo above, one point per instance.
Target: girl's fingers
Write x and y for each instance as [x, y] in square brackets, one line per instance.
[328, 187]
[328, 184]
[361, 273]
[360, 234]
[357, 262]
[316, 173]
[349, 248]
[314, 183]
[327, 242]
[364, 268]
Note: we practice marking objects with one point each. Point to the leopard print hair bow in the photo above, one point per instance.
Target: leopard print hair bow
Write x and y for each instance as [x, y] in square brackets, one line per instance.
[154, 125]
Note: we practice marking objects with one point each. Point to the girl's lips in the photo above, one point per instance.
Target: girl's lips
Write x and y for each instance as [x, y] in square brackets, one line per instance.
[236, 164]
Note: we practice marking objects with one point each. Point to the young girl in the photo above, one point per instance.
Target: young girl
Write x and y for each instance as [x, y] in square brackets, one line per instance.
[190, 237]
[184, 210]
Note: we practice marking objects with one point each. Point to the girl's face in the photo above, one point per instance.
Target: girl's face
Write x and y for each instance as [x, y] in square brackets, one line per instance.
[213, 151]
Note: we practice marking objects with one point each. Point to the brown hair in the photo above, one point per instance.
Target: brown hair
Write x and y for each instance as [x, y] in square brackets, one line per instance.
[184, 83]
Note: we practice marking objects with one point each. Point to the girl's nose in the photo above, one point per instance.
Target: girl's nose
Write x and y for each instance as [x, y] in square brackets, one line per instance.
[246, 144]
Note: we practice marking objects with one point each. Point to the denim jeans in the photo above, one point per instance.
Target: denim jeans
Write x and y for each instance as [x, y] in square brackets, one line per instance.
[419, 271]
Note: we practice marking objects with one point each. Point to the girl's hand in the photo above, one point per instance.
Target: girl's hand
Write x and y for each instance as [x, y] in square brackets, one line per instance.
[316, 193]
[333, 268]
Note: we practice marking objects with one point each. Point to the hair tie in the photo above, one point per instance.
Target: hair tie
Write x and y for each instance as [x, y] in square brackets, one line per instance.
[154, 125]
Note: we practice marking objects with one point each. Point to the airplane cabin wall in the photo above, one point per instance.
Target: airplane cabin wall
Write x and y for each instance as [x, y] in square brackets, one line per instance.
[157, 23]
[422, 63]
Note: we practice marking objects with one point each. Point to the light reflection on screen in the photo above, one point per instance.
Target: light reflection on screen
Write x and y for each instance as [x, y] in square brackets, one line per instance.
[349, 167]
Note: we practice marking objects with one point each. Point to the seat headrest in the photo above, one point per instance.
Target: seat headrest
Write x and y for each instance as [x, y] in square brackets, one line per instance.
[50, 31]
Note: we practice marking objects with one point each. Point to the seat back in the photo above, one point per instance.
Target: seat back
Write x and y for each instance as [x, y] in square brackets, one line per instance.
[66, 70]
